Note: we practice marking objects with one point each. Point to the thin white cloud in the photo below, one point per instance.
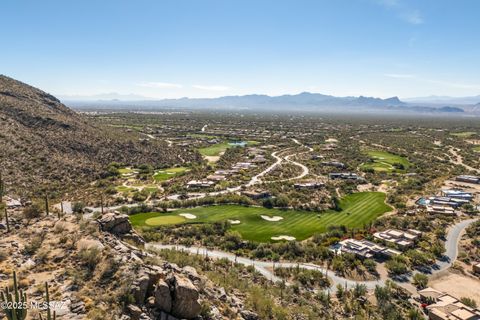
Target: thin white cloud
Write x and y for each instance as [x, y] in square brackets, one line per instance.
[413, 17]
[211, 88]
[160, 85]
[399, 75]
[388, 3]
[403, 11]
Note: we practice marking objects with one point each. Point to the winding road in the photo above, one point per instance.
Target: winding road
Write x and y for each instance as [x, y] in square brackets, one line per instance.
[266, 267]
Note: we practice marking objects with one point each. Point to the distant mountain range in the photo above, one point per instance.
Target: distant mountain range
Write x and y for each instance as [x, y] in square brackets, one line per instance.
[304, 101]
[445, 100]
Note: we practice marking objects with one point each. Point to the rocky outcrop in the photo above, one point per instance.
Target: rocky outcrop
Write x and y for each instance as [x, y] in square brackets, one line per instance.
[119, 225]
[163, 296]
[184, 298]
[167, 291]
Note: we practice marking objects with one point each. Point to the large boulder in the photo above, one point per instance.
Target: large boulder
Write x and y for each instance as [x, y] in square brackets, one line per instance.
[163, 296]
[140, 288]
[185, 296]
[115, 223]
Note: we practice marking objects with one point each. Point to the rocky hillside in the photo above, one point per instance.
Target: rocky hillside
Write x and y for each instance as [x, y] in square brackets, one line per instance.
[44, 142]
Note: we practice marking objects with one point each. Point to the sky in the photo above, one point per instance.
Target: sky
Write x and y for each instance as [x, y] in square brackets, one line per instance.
[210, 48]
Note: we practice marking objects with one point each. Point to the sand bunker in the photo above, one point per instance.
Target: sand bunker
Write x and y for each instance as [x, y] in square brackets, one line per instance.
[288, 238]
[188, 216]
[234, 221]
[272, 219]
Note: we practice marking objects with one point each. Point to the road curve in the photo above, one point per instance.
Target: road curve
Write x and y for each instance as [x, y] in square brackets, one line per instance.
[265, 267]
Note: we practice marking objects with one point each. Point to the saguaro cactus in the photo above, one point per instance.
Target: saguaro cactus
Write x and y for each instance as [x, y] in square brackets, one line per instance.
[50, 315]
[16, 301]
[6, 220]
[2, 188]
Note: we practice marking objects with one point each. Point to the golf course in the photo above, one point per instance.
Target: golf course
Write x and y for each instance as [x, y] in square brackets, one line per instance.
[166, 174]
[383, 161]
[261, 224]
[217, 149]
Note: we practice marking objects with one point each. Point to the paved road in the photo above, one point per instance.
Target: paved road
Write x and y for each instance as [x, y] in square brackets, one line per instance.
[265, 267]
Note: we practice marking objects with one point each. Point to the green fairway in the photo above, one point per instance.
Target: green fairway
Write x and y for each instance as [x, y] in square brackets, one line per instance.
[166, 174]
[217, 149]
[357, 210]
[386, 162]
[464, 134]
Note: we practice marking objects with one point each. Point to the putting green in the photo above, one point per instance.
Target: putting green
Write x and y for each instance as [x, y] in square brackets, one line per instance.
[384, 162]
[159, 221]
[357, 210]
[166, 174]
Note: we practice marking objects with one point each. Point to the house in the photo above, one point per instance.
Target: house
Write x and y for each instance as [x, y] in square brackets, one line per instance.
[200, 184]
[457, 194]
[442, 306]
[216, 177]
[468, 179]
[440, 210]
[224, 172]
[243, 165]
[309, 185]
[476, 268]
[335, 164]
[254, 194]
[363, 248]
[403, 239]
[345, 176]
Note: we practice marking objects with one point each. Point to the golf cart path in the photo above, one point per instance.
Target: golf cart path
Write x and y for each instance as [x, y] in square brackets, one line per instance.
[265, 267]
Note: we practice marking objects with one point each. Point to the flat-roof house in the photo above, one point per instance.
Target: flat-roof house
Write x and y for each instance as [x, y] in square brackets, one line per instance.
[363, 248]
[446, 307]
[403, 239]
[309, 185]
[345, 176]
[440, 210]
[457, 194]
[200, 184]
[216, 177]
[468, 179]
[335, 164]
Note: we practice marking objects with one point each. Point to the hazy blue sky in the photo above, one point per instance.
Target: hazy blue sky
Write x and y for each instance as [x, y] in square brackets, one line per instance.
[204, 48]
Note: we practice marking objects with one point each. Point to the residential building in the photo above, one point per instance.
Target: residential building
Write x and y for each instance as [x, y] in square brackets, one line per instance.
[468, 179]
[440, 210]
[335, 164]
[345, 176]
[445, 307]
[200, 184]
[363, 248]
[457, 194]
[216, 177]
[309, 185]
[403, 239]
